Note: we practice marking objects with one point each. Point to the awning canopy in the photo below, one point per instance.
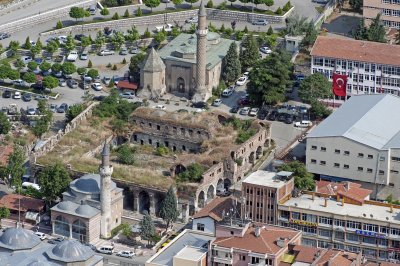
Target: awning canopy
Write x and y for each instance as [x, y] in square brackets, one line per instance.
[125, 84]
[33, 216]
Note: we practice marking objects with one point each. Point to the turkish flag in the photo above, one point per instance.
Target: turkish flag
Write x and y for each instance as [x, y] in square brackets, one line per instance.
[339, 84]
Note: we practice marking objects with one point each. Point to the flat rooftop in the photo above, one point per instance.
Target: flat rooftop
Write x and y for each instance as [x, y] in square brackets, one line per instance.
[191, 253]
[264, 178]
[365, 211]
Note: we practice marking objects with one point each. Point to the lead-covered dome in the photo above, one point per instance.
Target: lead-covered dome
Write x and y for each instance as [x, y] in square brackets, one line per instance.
[87, 210]
[70, 251]
[89, 183]
[18, 239]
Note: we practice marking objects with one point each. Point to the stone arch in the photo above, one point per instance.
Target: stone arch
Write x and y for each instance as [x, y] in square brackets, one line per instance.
[61, 226]
[258, 152]
[252, 157]
[239, 178]
[144, 202]
[233, 155]
[227, 183]
[79, 231]
[128, 198]
[158, 201]
[220, 184]
[180, 83]
[266, 143]
[210, 193]
[201, 199]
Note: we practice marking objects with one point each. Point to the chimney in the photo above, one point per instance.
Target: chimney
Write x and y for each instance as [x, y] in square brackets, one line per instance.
[348, 185]
[326, 202]
[313, 196]
[257, 231]
[391, 208]
[342, 201]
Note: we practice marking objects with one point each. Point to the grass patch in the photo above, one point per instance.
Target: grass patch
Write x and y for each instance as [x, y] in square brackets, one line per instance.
[320, 9]
[243, 127]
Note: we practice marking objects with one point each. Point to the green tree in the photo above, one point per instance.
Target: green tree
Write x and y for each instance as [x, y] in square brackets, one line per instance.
[126, 154]
[4, 213]
[118, 40]
[13, 46]
[231, 63]
[59, 25]
[35, 50]
[151, 3]
[356, 4]
[85, 42]
[29, 77]
[168, 211]
[81, 70]
[13, 74]
[74, 111]
[32, 65]
[177, 2]
[175, 32]
[27, 44]
[319, 109]
[53, 181]
[39, 44]
[192, 173]
[68, 68]
[45, 66]
[270, 3]
[77, 12]
[376, 31]
[133, 34]
[147, 33]
[249, 52]
[303, 180]
[160, 36]
[126, 14]
[115, 16]
[314, 87]
[279, 11]
[50, 82]
[15, 168]
[5, 125]
[19, 64]
[270, 30]
[360, 32]
[287, 7]
[210, 4]
[269, 78]
[147, 228]
[70, 43]
[139, 12]
[93, 73]
[311, 35]
[56, 67]
[105, 12]
[191, 2]
[100, 39]
[40, 128]
[245, 1]
[134, 66]
[52, 46]
[296, 25]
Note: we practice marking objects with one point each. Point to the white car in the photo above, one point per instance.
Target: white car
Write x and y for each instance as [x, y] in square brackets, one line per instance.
[265, 50]
[41, 235]
[17, 95]
[126, 254]
[134, 50]
[62, 83]
[241, 81]
[84, 56]
[73, 55]
[304, 123]
[260, 22]
[192, 20]
[106, 80]
[253, 112]
[245, 111]
[246, 74]
[160, 106]
[217, 102]
[97, 86]
[106, 52]
[26, 59]
[127, 95]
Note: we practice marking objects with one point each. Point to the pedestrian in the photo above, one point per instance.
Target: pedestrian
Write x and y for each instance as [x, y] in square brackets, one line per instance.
[112, 243]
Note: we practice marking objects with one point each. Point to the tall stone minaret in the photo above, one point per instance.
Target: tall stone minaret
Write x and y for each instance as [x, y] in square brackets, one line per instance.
[201, 92]
[105, 191]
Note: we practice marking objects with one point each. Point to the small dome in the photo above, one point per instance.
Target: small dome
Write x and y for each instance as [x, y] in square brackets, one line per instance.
[66, 206]
[18, 238]
[212, 36]
[70, 251]
[88, 183]
[86, 210]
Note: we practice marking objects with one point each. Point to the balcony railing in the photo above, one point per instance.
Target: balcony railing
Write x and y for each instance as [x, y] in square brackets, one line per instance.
[225, 260]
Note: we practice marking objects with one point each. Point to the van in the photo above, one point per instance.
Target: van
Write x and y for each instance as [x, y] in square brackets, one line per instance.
[25, 185]
[227, 93]
[303, 123]
[92, 10]
[106, 250]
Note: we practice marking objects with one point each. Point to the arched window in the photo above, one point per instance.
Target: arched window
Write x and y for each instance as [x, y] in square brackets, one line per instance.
[79, 230]
[61, 226]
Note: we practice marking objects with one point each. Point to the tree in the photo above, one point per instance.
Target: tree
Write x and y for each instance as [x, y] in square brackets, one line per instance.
[376, 31]
[74, 111]
[56, 67]
[147, 228]
[15, 168]
[287, 7]
[4, 213]
[311, 35]
[81, 70]
[356, 4]
[59, 25]
[361, 31]
[279, 11]
[19, 64]
[192, 173]
[45, 66]
[177, 2]
[303, 180]
[269, 78]
[134, 69]
[4, 71]
[319, 109]
[152, 3]
[147, 33]
[85, 42]
[27, 44]
[100, 39]
[296, 25]
[175, 32]
[126, 14]
[191, 2]
[68, 68]
[133, 34]
[398, 37]
[105, 12]
[244, 1]
[249, 52]
[314, 87]
[5, 125]
[77, 12]
[126, 154]
[32, 65]
[118, 40]
[52, 46]
[39, 44]
[139, 12]
[70, 43]
[35, 50]
[29, 77]
[231, 62]
[160, 36]
[13, 74]
[53, 181]
[115, 16]
[210, 4]
[168, 211]
[93, 73]
[270, 3]
[270, 30]
[50, 82]
[13, 46]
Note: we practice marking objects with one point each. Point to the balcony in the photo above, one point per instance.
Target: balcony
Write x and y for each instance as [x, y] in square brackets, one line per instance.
[257, 264]
[226, 260]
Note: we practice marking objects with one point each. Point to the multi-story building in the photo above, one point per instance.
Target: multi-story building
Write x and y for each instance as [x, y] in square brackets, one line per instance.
[360, 142]
[372, 228]
[389, 10]
[262, 190]
[371, 67]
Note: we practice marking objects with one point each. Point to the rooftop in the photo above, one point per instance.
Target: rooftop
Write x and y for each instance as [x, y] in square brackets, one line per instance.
[88, 184]
[73, 208]
[356, 50]
[191, 253]
[216, 208]
[23, 203]
[360, 119]
[348, 189]
[366, 211]
[265, 178]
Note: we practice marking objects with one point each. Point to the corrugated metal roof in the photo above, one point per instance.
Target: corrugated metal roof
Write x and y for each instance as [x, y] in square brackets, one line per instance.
[371, 120]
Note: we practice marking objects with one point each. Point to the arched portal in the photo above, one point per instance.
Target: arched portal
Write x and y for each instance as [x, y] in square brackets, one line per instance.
[258, 152]
[79, 230]
[180, 82]
[227, 183]
[144, 202]
[61, 226]
[210, 193]
[220, 184]
[251, 158]
[201, 199]
[158, 201]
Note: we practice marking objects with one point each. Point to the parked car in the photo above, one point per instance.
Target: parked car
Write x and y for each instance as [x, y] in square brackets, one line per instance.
[227, 93]
[201, 105]
[245, 111]
[160, 106]
[73, 84]
[99, 98]
[134, 50]
[260, 22]
[41, 235]
[7, 94]
[273, 115]
[62, 108]
[262, 114]
[289, 119]
[253, 111]
[84, 56]
[192, 20]
[78, 37]
[303, 109]
[87, 78]
[31, 111]
[26, 97]
[265, 50]
[241, 81]
[26, 59]
[127, 95]
[106, 250]
[106, 80]
[19, 82]
[123, 51]
[126, 254]
[56, 240]
[53, 107]
[217, 102]
[84, 85]
[234, 109]
[17, 95]
[41, 97]
[62, 83]
[106, 52]
[4, 35]
[38, 60]
[72, 56]
[58, 74]
[59, 59]
[303, 123]
[97, 86]
[166, 28]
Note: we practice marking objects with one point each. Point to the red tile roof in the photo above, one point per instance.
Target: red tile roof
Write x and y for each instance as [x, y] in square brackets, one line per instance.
[364, 51]
[125, 84]
[265, 243]
[306, 254]
[12, 202]
[333, 257]
[348, 189]
[215, 208]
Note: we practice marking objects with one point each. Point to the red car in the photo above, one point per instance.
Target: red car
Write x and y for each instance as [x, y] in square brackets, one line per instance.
[244, 101]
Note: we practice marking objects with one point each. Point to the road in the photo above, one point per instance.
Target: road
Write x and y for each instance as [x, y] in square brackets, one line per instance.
[112, 260]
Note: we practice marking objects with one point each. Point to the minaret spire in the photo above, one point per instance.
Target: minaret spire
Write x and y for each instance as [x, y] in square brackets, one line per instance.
[105, 191]
[105, 154]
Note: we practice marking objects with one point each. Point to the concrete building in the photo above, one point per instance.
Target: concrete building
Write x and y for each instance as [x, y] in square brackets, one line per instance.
[389, 10]
[91, 207]
[371, 67]
[359, 142]
[20, 247]
[262, 190]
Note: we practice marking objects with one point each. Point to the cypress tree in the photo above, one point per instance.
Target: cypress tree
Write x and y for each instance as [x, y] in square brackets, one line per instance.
[168, 211]
[232, 67]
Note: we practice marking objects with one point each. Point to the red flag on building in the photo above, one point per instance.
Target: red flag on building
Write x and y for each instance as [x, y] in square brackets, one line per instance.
[339, 84]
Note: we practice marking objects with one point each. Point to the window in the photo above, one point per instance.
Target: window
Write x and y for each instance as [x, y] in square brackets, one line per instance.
[324, 233]
[381, 172]
[323, 148]
[347, 153]
[242, 257]
[158, 127]
[352, 237]
[370, 156]
[369, 240]
[384, 229]
[322, 162]
[396, 159]
[382, 158]
[370, 227]
[337, 151]
[346, 166]
[296, 215]
[394, 171]
[353, 225]
[325, 220]
[386, 1]
[339, 235]
[382, 242]
[255, 260]
[369, 170]
[313, 147]
[338, 222]
[232, 233]
[360, 169]
[200, 227]
[395, 231]
[313, 161]
[318, 61]
[387, 12]
[337, 165]
[361, 155]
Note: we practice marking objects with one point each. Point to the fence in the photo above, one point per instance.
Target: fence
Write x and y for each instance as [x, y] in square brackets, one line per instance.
[173, 17]
[31, 21]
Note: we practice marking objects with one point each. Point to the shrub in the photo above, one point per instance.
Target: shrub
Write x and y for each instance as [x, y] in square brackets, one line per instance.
[222, 6]
[147, 33]
[139, 12]
[90, 64]
[210, 4]
[59, 25]
[109, 65]
[115, 16]
[246, 30]
[279, 11]
[126, 14]
[124, 61]
[126, 154]
[162, 150]
[105, 12]
[192, 173]
[114, 67]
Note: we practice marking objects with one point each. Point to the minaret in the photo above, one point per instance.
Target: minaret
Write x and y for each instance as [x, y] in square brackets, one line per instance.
[201, 32]
[105, 191]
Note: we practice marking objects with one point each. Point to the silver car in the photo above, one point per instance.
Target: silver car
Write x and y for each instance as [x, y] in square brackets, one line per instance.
[260, 22]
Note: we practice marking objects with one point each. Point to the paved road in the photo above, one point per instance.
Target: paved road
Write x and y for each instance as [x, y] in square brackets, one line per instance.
[112, 260]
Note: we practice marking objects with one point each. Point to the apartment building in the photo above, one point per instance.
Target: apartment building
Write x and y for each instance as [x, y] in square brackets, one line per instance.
[262, 190]
[389, 10]
[371, 67]
[360, 141]
[369, 227]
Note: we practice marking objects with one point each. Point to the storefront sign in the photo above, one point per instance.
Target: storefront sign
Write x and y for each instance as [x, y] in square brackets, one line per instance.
[303, 222]
[369, 233]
